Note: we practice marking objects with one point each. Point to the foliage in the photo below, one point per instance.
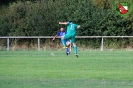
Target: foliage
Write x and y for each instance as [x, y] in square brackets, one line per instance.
[41, 17]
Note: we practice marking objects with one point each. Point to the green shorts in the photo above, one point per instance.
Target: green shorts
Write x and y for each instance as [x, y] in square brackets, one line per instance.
[71, 37]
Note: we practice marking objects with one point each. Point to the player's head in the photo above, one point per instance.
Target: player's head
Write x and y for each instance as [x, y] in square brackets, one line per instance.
[62, 29]
[70, 21]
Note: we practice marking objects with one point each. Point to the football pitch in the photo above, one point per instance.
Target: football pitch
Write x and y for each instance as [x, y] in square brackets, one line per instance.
[53, 69]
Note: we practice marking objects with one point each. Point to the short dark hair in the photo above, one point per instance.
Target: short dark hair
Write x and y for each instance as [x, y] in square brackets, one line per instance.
[62, 27]
[70, 21]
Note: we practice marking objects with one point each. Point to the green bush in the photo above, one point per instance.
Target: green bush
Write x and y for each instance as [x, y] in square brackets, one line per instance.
[40, 18]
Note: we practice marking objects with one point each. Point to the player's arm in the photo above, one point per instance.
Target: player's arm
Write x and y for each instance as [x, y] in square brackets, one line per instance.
[65, 23]
[54, 37]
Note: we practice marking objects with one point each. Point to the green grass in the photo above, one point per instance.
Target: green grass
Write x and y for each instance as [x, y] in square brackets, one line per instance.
[53, 69]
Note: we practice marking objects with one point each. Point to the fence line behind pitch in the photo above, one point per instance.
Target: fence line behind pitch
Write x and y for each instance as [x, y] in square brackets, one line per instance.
[42, 37]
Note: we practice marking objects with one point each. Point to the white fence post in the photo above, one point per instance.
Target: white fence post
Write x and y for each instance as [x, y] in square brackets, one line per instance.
[8, 43]
[102, 44]
[38, 44]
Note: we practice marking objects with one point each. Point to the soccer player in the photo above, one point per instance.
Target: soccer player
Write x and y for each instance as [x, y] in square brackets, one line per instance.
[71, 33]
[64, 41]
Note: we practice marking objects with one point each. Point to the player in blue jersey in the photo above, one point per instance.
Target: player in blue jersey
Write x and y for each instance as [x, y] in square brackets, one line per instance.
[60, 34]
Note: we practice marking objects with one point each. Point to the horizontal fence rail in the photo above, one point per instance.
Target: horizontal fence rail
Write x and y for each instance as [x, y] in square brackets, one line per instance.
[58, 37]
[45, 37]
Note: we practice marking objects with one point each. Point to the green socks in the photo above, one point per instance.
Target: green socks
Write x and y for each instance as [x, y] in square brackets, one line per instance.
[75, 49]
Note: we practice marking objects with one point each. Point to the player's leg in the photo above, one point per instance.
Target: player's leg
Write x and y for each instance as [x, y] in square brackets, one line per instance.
[74, 45]
[75, 49]
[67, 50]
[63, 42]
[67, 36]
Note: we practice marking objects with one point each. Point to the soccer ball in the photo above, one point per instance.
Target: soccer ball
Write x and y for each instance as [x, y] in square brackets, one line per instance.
[68, 43]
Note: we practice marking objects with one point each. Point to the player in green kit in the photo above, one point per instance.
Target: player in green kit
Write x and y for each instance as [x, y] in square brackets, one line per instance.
[71, 33]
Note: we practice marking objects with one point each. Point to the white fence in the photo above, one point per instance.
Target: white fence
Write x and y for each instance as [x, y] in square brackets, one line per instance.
[42, 37]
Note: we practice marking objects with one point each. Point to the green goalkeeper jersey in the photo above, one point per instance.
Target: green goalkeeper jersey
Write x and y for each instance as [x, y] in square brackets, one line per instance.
[71, 28]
